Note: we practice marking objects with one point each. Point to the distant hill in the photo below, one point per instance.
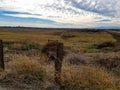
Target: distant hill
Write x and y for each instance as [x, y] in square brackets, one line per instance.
[108, 27]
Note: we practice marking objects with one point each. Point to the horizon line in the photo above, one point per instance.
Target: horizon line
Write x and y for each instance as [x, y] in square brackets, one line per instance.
[59, 28]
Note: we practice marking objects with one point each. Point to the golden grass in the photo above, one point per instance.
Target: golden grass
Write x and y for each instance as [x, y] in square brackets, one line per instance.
[23, 73]
[78, 43]
[37, 68]
[88, 78]
[24, 65]
[109, 61]
[32, 71]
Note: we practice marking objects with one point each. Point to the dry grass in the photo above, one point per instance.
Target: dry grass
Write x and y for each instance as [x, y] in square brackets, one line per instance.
[32, 70]
[23, 73]
[88, 78]
[76, 59]
[67, 36]
[25, 65]
[80, 42]
[103, 72]
[110, 61]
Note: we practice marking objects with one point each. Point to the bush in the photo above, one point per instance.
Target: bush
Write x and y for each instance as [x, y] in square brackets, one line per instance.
[88, 78]
[29, 46]
[19, 45]
[24, 74]
[7, 44]
[67, 36]
[26, 66]
[111, 63]
[76, 59]
[24, 69]
[16, 46]
[104, 45]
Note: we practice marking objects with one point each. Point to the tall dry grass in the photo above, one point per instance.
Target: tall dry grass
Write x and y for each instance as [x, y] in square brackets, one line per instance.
[37, 73]
[23, 73]
[109, 61]
[88, 78]
[24, 65]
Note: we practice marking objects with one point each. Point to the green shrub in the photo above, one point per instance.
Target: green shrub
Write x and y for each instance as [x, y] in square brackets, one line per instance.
[103, 45]
[6, 44]
[29, 46]
[21, 45]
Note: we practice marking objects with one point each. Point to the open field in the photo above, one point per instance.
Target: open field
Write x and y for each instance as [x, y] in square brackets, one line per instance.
[74, 40]
[91, 62]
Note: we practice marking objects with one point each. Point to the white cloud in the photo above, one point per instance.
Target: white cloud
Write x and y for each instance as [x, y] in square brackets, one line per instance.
[104, 7]
[76, 12]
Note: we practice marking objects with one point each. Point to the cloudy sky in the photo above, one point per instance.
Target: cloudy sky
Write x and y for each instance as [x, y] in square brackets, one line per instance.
[60, 13]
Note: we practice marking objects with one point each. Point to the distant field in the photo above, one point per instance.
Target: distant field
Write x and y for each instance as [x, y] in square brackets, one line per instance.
[79, 42]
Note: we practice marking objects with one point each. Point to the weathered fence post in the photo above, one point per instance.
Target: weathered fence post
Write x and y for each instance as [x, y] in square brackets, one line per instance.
[1, 56]
[55, 52]
[58, 63]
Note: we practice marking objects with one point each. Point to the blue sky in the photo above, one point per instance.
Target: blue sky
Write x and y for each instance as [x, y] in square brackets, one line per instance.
[60, 13]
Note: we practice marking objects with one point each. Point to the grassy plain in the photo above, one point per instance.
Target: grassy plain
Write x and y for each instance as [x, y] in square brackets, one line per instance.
[80, 42]
[90, 63]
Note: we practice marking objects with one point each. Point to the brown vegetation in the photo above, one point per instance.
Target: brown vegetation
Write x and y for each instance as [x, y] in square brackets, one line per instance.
[77, 59]
[29, 69]
[88, 78]
[110, 61]
[23, 73]
[67, 36]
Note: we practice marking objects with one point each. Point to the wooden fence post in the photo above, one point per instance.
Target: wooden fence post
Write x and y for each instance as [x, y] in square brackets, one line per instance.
[55, 52]
[58, 64]
[1, 56]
